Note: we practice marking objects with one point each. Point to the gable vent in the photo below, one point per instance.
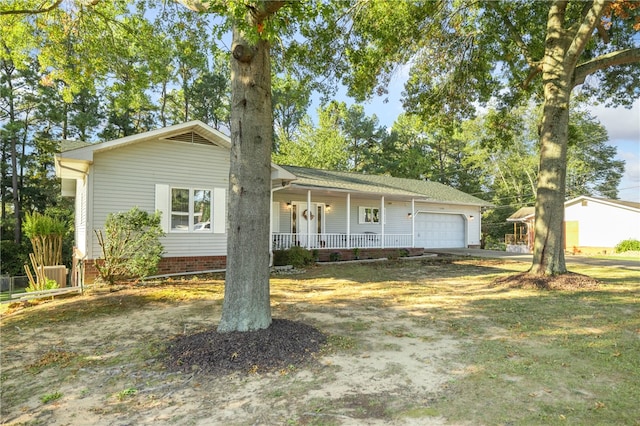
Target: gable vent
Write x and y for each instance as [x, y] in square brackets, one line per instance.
[190, 137]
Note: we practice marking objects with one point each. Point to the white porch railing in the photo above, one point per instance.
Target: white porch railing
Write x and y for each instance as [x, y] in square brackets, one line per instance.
[282, 241]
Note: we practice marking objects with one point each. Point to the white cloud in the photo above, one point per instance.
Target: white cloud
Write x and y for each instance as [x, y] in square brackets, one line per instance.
[620, 122]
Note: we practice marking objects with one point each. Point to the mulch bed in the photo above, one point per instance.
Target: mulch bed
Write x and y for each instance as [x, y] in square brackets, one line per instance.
[283, 344]
[567, 281]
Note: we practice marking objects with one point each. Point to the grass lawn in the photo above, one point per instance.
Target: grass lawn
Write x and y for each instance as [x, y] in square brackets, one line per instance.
[516, 356]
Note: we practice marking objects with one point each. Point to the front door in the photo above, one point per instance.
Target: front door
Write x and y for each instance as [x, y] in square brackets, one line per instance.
[307, 224]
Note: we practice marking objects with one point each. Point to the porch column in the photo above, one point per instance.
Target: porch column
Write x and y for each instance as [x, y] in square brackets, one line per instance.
[382, 221]
[309, 214]
[348, 220]
[271, 227]
[413, 222]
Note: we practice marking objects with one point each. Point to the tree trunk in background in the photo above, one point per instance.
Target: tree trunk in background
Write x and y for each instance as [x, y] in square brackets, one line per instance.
[246, 304]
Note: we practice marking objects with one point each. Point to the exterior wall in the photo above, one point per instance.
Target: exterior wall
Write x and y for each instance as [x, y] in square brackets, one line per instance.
[396, 214]
[602, 225]
[126, 177]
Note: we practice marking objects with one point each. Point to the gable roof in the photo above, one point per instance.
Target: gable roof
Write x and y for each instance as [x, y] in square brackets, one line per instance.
[191, 132]
[614, 203]
[68, 145]
[75, 156]
[525, 213]
[380, 184]
[522, 214]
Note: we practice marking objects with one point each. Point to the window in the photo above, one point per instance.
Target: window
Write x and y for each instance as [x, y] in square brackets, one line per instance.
[369, 215]
[190, 209]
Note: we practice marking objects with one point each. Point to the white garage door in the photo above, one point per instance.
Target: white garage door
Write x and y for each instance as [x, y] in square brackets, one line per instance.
[437, 230]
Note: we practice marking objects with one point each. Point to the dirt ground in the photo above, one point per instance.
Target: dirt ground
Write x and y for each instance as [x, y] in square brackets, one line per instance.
[380, 365]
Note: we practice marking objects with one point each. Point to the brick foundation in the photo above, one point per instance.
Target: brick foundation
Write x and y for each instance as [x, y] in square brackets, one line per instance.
[176, 265]
[327, 255]
[169, 265]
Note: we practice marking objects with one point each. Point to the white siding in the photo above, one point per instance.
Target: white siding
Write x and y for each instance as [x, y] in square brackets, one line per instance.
[397, 214]
[603, 225]
[127, 177]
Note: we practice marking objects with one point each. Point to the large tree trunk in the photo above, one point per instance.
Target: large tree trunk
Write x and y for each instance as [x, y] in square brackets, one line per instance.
[246, 296]
[557, 74]
[548, 254]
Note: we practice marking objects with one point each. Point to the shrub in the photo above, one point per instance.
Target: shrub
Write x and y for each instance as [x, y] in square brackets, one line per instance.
[130, 245]
[295, 256]
[14, 256]
[628, 245]
[48, 285]
[335, 256]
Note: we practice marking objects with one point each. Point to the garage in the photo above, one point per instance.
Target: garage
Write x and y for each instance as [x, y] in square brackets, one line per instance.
[439, 230]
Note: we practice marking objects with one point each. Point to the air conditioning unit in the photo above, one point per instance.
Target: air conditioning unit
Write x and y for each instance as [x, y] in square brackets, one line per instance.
[57, 273]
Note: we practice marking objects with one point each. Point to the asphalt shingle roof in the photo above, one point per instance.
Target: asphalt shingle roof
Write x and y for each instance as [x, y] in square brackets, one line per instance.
[380, 184]
[68, 145]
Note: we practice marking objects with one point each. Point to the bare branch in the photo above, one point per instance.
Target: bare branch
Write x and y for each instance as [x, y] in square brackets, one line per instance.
[195, 5]
[259, 14]
[604, 34]
[534, 71]
[621, 57]
[585, 31]
[31, 11]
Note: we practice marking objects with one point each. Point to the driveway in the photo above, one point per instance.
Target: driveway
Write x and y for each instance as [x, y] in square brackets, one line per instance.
[630, 263]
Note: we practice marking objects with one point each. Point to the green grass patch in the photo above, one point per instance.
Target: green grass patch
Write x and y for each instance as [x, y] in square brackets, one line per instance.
[45, 399]
[548, 357]
[525, 356]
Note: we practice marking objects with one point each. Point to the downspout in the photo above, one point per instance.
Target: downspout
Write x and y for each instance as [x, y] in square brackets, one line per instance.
[284, 186]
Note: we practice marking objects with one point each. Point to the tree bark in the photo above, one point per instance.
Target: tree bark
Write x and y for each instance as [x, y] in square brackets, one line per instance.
[246, 304]
[13, 138]
[548, 253]
[563, 47]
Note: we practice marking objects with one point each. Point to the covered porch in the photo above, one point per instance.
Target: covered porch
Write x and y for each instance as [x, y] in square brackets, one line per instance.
[319, 219]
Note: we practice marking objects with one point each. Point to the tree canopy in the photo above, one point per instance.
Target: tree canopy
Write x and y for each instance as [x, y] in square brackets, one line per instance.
[99, 70]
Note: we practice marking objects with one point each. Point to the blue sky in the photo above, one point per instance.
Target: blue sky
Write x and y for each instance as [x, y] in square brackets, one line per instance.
[623, 128]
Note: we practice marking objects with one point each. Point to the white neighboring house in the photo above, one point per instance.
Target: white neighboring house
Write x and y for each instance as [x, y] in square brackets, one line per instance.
[591, 225]
[183, 171]
[600, 224]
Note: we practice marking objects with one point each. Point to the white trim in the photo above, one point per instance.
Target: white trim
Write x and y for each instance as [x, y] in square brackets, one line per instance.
[219, 211]
[162, 205]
